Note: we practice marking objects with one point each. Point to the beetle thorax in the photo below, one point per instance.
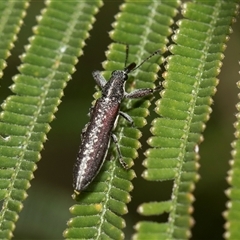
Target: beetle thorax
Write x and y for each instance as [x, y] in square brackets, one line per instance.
[114, 88]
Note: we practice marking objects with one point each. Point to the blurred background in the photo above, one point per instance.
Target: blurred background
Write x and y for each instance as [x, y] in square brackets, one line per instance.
[46, 210]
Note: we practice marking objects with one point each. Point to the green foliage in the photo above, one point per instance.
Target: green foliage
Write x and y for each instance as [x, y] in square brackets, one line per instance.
[47, 65]
[113, 196]
[190, 82]
[11, 20]
[182, 107]
[232, 214]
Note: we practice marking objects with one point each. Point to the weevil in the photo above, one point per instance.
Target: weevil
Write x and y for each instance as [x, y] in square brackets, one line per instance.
[96, 135]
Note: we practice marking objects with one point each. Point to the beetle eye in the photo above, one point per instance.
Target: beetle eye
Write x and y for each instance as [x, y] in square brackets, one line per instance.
[125, 77]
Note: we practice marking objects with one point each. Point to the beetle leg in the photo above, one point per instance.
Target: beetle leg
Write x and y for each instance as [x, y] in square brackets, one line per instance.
[142, 92]
[115, 140]
[84, 130]
[127, 117]
[90, 111]
[100, 80]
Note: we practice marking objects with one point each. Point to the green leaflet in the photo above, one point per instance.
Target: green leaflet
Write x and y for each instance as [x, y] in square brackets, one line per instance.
[151, 230]
[47, 65]
[154, 208]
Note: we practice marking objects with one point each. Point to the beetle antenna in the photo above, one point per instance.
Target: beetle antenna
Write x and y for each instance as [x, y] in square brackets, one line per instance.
[126, 59]
[154, 53]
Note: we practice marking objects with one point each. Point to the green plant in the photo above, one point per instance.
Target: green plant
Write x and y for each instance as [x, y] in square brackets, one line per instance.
[193, 62]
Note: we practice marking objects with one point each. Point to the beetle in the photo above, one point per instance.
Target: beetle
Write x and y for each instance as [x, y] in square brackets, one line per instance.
[96, 135]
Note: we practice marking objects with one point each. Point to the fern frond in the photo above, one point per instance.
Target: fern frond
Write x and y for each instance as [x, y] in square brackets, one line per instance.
[11, 13]
[47, 65]
[190, 81]
[139, 24]
[233, 208]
